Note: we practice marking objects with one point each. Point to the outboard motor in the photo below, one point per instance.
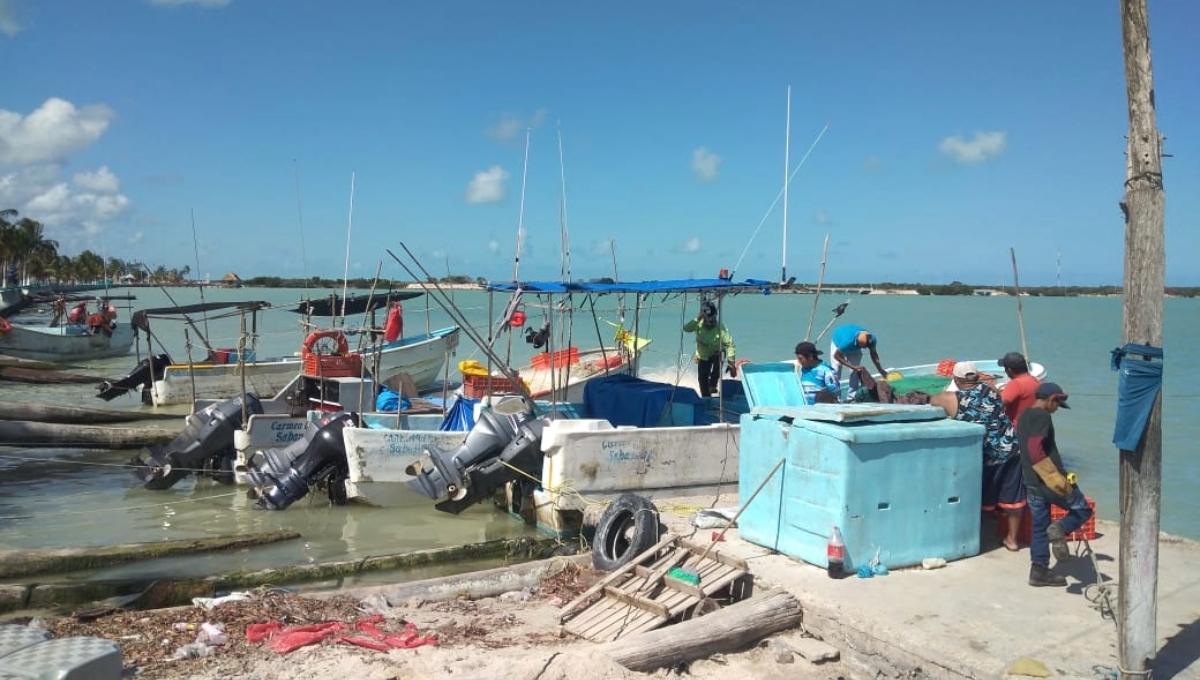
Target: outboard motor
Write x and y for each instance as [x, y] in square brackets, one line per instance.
[323, 462]
[264, 466]
[508, 434]
[205, 446]
[144, 374]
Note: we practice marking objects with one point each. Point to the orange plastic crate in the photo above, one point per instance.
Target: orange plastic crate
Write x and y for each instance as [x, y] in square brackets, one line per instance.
[562, 357]
[479, 386]
[332, 365]
[1025, 530]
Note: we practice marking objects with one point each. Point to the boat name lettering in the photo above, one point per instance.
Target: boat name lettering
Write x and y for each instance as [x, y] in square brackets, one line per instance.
[278, 425]
[617, 453]
[402, 442]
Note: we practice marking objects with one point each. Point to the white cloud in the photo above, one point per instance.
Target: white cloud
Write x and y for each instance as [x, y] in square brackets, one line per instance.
[8, 19]
[177, 3]
[510, 125]
[51, 132]
[135, 238]
[101, 181]
[872, 164]
[981, 147]
[602, 248]
[487, 186]
[493, 246]
[821, 218]
[692, 245]
[704, 164]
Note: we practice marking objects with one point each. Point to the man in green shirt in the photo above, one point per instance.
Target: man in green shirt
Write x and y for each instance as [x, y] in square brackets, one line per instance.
[712, 342]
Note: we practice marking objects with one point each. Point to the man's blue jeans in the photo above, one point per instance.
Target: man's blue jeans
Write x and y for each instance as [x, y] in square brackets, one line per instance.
[1078, 512]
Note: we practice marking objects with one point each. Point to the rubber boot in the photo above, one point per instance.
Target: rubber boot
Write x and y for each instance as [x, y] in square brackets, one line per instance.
[1042, 576]
[1058, 542]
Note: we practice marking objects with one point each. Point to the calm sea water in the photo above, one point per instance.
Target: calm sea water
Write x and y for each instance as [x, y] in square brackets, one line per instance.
[71, 498]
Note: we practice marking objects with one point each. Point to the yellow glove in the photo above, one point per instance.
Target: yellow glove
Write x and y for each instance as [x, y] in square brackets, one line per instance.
[1071, 478]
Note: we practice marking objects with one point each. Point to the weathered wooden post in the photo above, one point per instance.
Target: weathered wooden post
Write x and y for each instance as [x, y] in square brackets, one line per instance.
[1145, 279]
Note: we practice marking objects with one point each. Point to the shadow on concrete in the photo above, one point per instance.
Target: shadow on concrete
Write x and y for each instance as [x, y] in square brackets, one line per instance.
[1181, 651]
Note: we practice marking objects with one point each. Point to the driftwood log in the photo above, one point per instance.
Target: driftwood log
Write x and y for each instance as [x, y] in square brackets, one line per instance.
[29, 562]
[728, 630]
[75, 415]
[37, 376]
[22, 433]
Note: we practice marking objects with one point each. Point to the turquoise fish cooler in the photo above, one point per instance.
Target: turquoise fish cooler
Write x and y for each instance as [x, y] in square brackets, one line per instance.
[900, 481]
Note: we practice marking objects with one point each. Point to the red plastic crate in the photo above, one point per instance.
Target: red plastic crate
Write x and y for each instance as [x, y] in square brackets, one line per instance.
[479, 386]
[332, 365]
[1025, 529]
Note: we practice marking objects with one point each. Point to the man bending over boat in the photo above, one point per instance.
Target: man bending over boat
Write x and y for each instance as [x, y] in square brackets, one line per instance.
[713, 342]
[847, 350]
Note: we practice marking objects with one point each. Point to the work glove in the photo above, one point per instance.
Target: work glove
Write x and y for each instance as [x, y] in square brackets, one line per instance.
[731, 369]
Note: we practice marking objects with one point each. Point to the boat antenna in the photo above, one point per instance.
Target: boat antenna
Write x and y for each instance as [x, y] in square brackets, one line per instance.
[300, 217]
[521, 210]
[196, 251]
[562, 211]
[777, 197]
[346, 271]
[787, 141]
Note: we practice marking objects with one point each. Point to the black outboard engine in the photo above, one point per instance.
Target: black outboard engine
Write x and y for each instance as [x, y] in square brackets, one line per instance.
[323, 463]
[205, 446]
[146, 372]
[508, 434]
[264, 466]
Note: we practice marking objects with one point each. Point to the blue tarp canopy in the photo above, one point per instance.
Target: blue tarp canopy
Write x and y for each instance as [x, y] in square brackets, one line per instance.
[672, 286]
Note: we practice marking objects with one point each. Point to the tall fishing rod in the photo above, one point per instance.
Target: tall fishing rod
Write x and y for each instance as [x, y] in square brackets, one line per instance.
[521, 209]
[300, 218]
[196, 250]
[1020, 312]
[777, 198]
[429, 285]
[820, 281]
[346, 271]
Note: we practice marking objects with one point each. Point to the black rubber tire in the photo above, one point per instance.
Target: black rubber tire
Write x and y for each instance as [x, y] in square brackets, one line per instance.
[628, 527]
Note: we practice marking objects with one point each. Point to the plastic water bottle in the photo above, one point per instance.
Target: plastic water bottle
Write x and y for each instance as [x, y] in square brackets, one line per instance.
[835, 554]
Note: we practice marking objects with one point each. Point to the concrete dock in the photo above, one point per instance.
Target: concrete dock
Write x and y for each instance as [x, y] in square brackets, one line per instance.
[975, 617]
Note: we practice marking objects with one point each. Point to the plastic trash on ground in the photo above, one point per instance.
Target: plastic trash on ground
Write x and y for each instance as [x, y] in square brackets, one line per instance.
[210, 602]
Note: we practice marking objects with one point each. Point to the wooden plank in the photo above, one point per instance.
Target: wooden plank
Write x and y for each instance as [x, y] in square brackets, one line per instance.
[614, 576]
[637, 601]
[717, 555]
[732, 628]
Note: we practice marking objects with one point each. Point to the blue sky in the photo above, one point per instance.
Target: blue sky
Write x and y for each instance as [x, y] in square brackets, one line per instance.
[956, 131]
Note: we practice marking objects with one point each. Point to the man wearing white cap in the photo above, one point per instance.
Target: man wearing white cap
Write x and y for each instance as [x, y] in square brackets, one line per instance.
[976, 401]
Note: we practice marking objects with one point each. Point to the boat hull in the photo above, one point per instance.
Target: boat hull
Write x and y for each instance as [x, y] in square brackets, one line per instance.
[422, 357]
[65, 344]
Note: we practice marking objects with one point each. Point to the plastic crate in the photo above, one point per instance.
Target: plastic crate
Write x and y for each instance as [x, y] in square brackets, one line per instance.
[1025, 529]
[479, 386]
[563, 357]
[332, 365]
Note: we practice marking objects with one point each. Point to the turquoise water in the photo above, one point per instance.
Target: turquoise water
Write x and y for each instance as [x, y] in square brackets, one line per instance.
[89, 498]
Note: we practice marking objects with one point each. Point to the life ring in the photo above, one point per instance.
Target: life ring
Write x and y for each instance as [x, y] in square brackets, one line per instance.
[628, 528]
[5, 326]
[343, 346]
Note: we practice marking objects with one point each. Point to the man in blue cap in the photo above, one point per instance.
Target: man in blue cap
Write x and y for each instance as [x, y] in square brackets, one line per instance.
[1048, 483]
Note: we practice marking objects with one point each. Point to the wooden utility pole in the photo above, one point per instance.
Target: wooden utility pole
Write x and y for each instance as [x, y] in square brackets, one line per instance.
[1145, 279]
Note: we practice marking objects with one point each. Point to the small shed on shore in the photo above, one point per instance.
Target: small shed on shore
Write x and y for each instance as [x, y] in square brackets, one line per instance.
[231, 280]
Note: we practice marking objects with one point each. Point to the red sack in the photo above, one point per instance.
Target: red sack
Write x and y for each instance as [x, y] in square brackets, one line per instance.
[302, 636]
[257, 632]
[370, 629]
[365, 642]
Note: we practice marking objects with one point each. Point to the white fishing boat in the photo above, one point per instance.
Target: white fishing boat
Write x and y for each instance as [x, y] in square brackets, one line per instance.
[66, 343]
[420, 356]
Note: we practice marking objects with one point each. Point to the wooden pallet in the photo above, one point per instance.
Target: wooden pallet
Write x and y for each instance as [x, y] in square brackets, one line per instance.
[640, 596]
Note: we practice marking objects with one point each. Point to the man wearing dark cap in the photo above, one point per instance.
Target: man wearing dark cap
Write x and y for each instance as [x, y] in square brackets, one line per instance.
[713, 342]
[818, 380]
[1018, 393]
[1047, 483]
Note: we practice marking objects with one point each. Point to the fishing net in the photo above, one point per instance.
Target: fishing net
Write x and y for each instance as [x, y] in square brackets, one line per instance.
[929, 384]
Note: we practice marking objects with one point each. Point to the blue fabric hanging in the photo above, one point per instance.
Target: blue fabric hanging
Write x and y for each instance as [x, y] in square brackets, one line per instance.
[460, 417]
[1137, 387]
[389, 400]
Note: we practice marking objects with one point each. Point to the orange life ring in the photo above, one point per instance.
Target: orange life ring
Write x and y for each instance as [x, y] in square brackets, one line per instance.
[5, 326]
[343, 346]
